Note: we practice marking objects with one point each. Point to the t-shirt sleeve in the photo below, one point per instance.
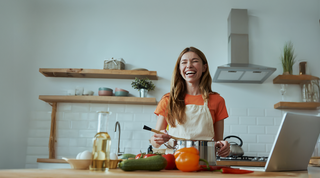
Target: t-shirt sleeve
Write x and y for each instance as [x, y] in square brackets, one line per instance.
[162, 107]
[217, 108]
[221, 112]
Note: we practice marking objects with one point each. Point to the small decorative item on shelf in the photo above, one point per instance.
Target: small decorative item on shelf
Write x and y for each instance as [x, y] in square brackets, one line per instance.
[103, 91]
[288, 58]
[112, 63]
[302, 68]
[143, 85]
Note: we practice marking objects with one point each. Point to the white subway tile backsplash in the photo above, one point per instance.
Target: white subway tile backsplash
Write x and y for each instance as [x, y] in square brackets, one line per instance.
[87, 133]
[74, 150]
[257, 147]
[79, 124]
[141, 135]
[93, 125]
[238, 112]
[148, 109]
[63, 124]
[80, 107]
[247, 120]
[133, 126]
[124, 117]
[81, 142]
[99, 107]
[89, 116]
[64, 107]
[132, 144]
[62, 142]
[232, 120]
[256, 129]
[256, 112]
[272, 129]
[117, 108]
[67, 133]
[142, 117]
[38, 142]
[269, 147]
[248, 138]
[273, 113]
[277, 121]
[265, 121]
[126, 135]
[71, 116]
[134, 109]
[238, 129]
[265, 138]
[63, 152]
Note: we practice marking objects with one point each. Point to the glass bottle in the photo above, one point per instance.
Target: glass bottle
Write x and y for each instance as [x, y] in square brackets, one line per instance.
[101, 144]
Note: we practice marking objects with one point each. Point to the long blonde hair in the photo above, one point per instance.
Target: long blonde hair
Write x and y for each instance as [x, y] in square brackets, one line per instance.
[178, 89]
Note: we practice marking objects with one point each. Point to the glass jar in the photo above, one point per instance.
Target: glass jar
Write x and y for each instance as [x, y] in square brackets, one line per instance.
[101, 144]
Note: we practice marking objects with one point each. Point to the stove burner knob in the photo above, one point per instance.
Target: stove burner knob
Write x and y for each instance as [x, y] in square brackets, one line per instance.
[255, 159]
[262, 159]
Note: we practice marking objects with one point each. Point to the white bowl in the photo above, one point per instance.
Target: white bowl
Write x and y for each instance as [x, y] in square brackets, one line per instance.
[78, 163]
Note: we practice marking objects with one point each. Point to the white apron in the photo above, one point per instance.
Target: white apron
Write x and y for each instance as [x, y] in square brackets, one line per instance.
[198, 125]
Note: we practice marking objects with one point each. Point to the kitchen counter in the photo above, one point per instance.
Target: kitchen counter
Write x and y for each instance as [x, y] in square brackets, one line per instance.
[312, 172]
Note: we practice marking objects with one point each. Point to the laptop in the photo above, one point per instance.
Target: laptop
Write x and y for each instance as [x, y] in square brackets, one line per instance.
[293, 145]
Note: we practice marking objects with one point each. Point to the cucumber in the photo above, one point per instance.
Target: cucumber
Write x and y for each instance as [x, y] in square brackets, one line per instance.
[126, 156]
[153, 163]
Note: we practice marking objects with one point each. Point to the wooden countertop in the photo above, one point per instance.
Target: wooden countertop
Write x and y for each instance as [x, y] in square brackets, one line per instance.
[118, 173]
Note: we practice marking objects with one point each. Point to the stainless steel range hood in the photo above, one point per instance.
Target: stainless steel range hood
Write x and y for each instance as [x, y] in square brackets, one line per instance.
[238, 70]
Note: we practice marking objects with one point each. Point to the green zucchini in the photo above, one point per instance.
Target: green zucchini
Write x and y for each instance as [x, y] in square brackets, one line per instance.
[128, 155]
[153, 163]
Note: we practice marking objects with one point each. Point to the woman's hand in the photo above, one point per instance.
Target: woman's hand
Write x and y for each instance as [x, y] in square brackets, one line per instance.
[160, 139]
[224, 148]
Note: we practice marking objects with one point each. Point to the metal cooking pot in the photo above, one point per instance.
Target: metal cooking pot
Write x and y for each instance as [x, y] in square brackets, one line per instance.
[206, 149]
[235, 149]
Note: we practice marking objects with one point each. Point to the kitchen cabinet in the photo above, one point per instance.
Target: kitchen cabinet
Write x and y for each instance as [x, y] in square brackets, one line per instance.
[91, 73]
[295, 79]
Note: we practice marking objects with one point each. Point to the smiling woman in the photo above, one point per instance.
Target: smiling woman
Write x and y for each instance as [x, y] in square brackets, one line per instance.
[191, 110]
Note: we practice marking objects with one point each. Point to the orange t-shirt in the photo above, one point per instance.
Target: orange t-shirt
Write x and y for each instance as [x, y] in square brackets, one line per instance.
[216, 105]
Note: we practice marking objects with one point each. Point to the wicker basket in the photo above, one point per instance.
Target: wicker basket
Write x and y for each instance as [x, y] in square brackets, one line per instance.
[114, 163]
[116, 64]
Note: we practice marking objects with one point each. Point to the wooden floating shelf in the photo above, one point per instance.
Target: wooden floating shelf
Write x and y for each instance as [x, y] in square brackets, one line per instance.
[98, 73]
[293, 79]
[97, 99]
[47, 160]
[297, 105]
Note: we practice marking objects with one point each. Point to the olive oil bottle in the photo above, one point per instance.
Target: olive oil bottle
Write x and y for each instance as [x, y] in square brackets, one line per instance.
[101, 144]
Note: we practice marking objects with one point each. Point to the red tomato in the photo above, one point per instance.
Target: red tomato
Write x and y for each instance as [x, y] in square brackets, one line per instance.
[171, 161]
[149, 155]
[140, 155]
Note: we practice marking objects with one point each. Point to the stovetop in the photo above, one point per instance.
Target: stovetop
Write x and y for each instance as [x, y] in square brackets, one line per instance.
[243, 158]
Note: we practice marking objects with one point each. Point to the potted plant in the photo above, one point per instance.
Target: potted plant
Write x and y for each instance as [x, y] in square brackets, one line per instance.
[143, 85]
[287, 58]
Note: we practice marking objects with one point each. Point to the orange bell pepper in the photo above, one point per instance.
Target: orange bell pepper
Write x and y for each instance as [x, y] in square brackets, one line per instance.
[187, 159]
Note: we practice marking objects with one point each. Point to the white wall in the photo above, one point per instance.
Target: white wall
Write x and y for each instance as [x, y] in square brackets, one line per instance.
[148, 34]
[15, 62]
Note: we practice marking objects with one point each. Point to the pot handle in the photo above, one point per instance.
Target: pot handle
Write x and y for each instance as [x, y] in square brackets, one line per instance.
[234, 137]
